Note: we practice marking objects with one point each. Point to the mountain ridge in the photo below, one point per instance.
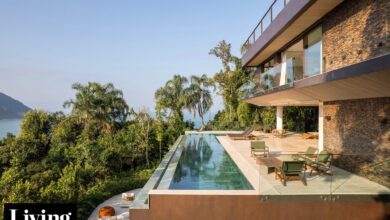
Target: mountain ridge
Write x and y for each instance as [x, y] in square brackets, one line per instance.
[11, 108]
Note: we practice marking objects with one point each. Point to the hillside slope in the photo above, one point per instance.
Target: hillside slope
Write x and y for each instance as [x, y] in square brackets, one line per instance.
[11, 108]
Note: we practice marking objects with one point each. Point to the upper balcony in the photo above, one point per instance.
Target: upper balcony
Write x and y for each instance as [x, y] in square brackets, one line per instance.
[284, 21]
[276, 78]
[292, 82]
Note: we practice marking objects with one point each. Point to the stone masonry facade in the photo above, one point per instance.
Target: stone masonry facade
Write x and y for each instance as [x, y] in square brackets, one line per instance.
[360, 130]
[357, 126]
[356, 30]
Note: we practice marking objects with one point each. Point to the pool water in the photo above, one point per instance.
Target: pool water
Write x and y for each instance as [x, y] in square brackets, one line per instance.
[204, 164]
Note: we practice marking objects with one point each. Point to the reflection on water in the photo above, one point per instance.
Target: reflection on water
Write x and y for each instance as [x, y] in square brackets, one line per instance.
[204, 164]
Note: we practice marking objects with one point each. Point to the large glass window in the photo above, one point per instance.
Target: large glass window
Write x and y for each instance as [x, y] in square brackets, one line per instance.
[295, 54]
[312, 53]
[300, 60]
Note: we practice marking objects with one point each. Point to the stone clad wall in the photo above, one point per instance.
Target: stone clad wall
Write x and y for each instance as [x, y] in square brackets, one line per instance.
[360, 130]
[354, 31]
[360, 125]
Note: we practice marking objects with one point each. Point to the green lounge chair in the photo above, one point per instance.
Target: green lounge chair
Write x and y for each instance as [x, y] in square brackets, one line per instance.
[309, 153]
[291, 170]
[321, 164]
[259, 147]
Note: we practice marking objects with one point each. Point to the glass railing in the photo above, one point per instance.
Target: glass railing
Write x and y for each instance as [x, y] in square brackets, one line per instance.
[324, 177]
[275, 8]
[252, 87]
[272, 79]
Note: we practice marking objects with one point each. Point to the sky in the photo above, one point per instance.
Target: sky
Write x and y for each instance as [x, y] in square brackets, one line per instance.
[46, 45]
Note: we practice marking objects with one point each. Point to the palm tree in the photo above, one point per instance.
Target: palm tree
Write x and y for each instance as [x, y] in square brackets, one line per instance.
[171, 96]
[198, 96]
[102, 103]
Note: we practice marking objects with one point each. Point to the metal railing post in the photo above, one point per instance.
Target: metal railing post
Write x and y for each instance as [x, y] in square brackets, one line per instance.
[261, 26]
[270, 11]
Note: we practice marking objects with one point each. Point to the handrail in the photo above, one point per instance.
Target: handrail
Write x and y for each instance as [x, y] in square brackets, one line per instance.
[246, 46]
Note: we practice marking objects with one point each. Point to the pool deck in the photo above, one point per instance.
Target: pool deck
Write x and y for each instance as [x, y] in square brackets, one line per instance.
[341, 182]
[326, 196]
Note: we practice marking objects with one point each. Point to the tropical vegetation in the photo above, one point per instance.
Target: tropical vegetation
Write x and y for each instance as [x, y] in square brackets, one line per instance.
[100, 149]
[104, 147]
[198, 97]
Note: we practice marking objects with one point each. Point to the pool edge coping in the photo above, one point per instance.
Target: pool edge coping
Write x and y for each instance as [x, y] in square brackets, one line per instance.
[142, 199]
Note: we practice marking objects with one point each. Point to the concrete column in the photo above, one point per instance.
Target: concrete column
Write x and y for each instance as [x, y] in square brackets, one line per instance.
[279, 117]
[321, 126]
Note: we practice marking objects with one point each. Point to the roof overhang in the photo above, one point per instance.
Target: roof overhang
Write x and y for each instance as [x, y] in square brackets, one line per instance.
[295, 18]
[367, 79]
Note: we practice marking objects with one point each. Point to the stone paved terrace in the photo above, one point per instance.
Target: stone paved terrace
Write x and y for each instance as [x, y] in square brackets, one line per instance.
[341, 182]
[291, 143]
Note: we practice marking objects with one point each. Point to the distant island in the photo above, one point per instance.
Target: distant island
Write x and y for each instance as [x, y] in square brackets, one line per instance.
[11, 108]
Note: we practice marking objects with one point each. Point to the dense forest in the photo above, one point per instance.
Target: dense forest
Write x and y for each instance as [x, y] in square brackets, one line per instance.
[103, 147]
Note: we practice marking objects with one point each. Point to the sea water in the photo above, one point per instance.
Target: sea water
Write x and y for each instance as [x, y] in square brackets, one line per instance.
[9, 126]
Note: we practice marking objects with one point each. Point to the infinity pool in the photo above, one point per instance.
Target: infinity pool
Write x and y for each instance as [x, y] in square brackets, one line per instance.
[204, 164]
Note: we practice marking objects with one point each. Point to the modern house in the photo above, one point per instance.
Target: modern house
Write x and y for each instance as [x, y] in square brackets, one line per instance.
[331, 54]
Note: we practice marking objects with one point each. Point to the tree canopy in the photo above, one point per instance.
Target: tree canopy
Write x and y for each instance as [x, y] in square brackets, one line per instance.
[102, 103]
[171, 96]
[230, 79]
[100, 149]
